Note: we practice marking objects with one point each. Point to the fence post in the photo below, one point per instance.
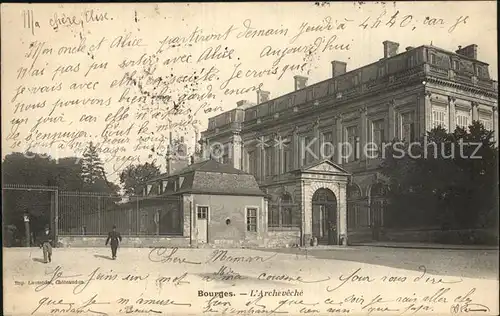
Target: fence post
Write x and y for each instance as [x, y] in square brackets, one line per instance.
[99, 215]
[56, 217]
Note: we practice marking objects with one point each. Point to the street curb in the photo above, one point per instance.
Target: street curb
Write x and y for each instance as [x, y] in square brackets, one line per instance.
[437, 247]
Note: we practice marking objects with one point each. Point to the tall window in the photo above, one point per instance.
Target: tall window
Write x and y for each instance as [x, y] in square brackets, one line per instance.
[287, 159]
[433, 59]
[353, 141]
[439, 118]
[269, 161]
[408, 126]
[327, 148]
[462, 119]
[307, 157]
[251, 219]
[281, 212]
[378, 133]
[252, 163]
[286, 210]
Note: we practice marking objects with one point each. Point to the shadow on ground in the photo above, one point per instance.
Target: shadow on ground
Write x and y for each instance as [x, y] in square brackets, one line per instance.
[459, 263]
[103, 257]
[38, 260]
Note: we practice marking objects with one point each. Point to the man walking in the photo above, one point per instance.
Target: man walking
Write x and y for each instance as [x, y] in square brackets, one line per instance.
[115, 239]
[45, 244]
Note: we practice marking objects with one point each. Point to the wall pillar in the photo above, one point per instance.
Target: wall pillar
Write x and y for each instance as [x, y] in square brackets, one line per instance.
[428, 111]
[189, 224]
[342, 211]
[317, 141]
[277, 155]
[259, 155]
[494, 121]
[363, 137]
[452, 123]
[475, 115]
[236, 152]
[306, 213]
[338, 138]
[392, 121]
[295, 149]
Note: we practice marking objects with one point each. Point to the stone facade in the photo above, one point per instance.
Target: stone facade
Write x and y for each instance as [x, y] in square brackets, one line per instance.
[401, 96]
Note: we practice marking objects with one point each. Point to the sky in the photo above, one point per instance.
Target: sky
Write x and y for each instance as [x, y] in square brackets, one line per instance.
[74, 38]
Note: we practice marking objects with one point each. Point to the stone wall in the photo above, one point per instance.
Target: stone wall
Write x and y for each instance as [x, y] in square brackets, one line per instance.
[127, 242]
[283, 238]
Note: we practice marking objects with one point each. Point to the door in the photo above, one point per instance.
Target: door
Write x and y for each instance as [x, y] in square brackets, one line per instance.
[324, 217]
[202, 224]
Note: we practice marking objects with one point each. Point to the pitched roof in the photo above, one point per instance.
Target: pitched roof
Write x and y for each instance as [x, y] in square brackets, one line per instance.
[209, 165]
[213, 177]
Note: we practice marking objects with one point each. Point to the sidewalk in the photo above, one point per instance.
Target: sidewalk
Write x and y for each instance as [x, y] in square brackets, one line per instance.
[423, 245]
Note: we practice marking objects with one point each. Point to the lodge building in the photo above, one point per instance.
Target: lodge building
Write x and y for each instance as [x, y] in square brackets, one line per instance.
[340, 198]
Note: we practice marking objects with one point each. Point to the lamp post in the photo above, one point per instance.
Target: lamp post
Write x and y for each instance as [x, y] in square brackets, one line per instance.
[27, 228]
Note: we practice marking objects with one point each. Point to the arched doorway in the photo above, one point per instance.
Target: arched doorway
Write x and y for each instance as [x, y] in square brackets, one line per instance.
[324, 217]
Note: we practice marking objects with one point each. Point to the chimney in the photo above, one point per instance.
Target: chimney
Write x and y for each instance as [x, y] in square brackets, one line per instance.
[390, 49]
[262, 96]
[338, 68]
[468, 51]
[300, 82]
[196, 141]
[409, 48]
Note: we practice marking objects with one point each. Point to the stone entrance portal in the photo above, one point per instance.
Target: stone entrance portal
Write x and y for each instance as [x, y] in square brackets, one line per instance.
[324, 203]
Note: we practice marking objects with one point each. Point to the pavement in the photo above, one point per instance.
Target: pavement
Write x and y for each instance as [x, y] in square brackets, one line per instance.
[318, 281]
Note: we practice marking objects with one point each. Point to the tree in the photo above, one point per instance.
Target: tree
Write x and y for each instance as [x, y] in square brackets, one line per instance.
[134, 176]
[92, 168]
[93, 173]
[449, 180]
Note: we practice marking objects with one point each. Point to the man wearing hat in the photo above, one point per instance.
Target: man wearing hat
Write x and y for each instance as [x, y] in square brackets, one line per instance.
[115, 239]
[45, 244]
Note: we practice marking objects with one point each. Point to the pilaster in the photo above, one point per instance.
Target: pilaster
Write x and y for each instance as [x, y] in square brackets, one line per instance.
[392, 121]
[451, 114]
[428, 111]
[236, 153]
[363, 136]
[338, 138]
[475, 115]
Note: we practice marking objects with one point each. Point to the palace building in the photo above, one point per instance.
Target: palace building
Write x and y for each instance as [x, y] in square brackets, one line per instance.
[322, 193]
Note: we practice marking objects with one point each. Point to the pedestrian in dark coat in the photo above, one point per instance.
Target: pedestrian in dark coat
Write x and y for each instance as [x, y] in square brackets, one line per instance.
[114, 238]
[46, 245]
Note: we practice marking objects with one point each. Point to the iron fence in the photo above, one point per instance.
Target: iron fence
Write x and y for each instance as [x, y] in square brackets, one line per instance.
[95, 214]
[86, 213]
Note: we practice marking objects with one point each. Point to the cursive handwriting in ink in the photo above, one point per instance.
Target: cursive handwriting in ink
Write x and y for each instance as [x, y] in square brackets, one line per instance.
[288, 278]
[222, 256]
[464, 304]
[160, 254]
[353, 277]
[431, 279]
[59, 306]
[94, 275]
